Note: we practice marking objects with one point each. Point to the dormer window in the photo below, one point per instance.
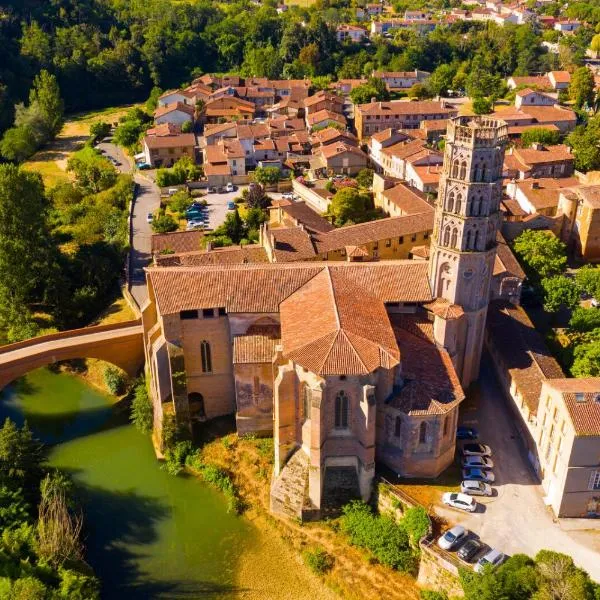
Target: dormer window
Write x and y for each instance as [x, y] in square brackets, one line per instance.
[579, 397]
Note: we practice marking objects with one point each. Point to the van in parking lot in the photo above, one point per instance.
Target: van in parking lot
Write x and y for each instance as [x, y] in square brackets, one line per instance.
[493, 558]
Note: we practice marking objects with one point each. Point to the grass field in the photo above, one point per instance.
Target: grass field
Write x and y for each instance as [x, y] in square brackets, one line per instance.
[51, 162]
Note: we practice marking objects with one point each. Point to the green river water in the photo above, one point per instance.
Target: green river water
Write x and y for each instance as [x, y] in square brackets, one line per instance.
[148, 534]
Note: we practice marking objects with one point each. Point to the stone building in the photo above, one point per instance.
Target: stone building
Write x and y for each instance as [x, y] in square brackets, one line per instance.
[344, 362]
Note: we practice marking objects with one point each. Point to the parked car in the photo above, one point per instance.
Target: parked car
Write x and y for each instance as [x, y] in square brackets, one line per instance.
[453, 538]
[144, 166]
[476, 450]
[149, 218]
[195, 225]
[231, 206]
[461, 501]
[466, 433]
[172, 191]
[469, 550]
[475, 488]
[482, 462]
[212, 190]
[287, 196]
[230, 187]
[474, 474]
[493, 558]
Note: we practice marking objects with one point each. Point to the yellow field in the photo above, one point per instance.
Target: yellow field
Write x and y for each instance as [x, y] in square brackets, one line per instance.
[51, 162]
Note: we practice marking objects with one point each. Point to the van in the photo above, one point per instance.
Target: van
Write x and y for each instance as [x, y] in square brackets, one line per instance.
[172, 191]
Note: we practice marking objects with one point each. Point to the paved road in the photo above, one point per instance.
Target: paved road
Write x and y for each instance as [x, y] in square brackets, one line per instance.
[516, 519]
[146, 201]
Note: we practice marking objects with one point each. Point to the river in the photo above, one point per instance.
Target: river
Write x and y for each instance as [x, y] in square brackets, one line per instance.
[149, 534]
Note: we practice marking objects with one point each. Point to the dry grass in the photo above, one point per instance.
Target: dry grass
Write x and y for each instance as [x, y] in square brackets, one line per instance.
[353, 576]
[118, 312]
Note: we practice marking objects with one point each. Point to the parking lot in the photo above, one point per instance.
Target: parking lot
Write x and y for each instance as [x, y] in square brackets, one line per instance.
[515, 519]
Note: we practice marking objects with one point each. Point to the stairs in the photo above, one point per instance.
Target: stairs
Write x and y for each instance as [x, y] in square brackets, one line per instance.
[289, 491]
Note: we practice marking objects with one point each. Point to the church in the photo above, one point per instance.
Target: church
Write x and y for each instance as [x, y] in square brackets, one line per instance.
[345, 363]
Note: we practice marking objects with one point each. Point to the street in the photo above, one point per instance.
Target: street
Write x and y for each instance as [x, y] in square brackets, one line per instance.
[516, 519]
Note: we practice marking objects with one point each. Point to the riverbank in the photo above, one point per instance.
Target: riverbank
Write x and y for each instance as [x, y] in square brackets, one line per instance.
[353, 576]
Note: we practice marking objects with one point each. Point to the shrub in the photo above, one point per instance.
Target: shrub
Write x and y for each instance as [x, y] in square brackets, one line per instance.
[433, 595]
[164, 224]
[318, 561]
[114, 380]
[141, 409]
[387, 541]
[175, 457]
[416, 523]
[217, 478]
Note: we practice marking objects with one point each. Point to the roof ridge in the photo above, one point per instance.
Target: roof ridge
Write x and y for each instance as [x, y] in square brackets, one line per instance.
[342, 331]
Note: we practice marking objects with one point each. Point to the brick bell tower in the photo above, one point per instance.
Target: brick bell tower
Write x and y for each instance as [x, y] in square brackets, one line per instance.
[463, 246]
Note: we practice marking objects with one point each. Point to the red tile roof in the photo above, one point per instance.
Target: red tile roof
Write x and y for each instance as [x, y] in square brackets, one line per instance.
[582, 399]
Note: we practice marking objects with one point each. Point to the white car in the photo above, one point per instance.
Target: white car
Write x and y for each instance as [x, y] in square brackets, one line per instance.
[493, 558]
[229, 187]
[479, 462]
[475, 488]
[453, 538]
[287, 196]
[461, 501]
[194, 225]
[149, 218]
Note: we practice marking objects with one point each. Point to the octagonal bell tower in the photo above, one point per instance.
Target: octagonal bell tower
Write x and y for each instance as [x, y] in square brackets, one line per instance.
[467, 217]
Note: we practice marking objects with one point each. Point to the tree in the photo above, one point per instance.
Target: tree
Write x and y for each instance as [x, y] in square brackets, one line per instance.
[542, 253]
[18, 144]
[164, 224]
[21, 457]
[595, 44]
[267, 175]
[588, 280]
[45, 96]
[441, 79]
[142, 415]
[539, 135]
[482, 106]
[152, 101]
[585, 319]
[128, 133]
[374, 88]
[365, 178]
[581, 88]
[560, 577]
[348, 205]
[186, 127]
[92, 171]
[99, 130]
[586, 361]
[584, 142]
[255, 197]
[559, 291]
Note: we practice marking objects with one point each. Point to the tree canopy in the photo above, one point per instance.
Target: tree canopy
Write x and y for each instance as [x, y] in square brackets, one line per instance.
[543, 254]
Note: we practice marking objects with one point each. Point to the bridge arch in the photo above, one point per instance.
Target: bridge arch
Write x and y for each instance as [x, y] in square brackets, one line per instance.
[120, 344]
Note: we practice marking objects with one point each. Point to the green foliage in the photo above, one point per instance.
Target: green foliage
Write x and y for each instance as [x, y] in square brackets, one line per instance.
[180, 202]
[217, 478]
[267, 175]
[99, 130]
[583, 142]
[542, 254]
[374, 88]
[349, 206]
[183, 170]
[131, 127]
[541, 136]
[114, 379]
[559, 291]
[93, 172]
[482, 106]
[187, 127]
[416, 523]
[585, 319]
[588, 280]
[581, 88]
[175, 456]
[387, 541]
[170, 431]
[318, 561]
[586, 361]
[152, 101]
[164, 224]
[142, 415]
[433, 595]
[365, 178]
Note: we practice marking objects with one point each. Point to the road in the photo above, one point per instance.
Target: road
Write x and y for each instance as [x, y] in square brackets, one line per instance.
[146, 201]
[516, 519]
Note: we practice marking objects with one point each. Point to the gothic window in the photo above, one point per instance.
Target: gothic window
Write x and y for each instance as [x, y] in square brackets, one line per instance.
[423, 432]
[306, 402]
[475, 240]
[451, 202]
[463, 170]
[483, 172]
[458, 205]
[341, 410]
[454, 240]
[206, 357]
[447, 236]
[397, 427]
[476, 173]
[476, 206]
[444, 279]
[468, 242]
[455, 168]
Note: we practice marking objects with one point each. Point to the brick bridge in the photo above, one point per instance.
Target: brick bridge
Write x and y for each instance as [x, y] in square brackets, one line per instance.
[120, 344]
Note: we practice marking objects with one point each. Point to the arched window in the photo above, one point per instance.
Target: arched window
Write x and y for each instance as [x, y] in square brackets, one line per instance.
[458, 205]
[454, 240]
[476, 206]
[475, 240]
[444, 279]
[451, 202]
[463, 170]
[397, 427]
[447, 236]
[468, 241]
[455, 168]
[206, 357]
[423, 432]
[483, 172]
[341, 410]
[306, 403]
[476, 173]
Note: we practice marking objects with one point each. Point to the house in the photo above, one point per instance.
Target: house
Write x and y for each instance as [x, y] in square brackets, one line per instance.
[224, 161]
[350, 32]
[539, 161]
[176, 113]
[384, 139]
[507, 276]
[377, 116]
[345, 86]
[580, 206]
[416, 15]
[555, 116]
[386, 27]
[424, 172]
[399, 199]
[332, 135]
[401, 80]
[323, 100]
[567, 25]
[175, 96]
[165, 144]
[539, 196]
[338, 158]
[325, 118]
[540, 82]
[287, 213]
[528, 97]
[228, 108]
[559, 80]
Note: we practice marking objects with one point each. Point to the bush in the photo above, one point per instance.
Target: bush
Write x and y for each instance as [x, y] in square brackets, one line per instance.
[433, 595]
[387, 541]
[164, 224]
[318, 561]
[217, 478]
[416, 523]
[175, 457]
[141, 409]
[115, 380]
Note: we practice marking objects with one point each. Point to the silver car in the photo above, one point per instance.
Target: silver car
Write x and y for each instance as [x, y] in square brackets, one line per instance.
[479, 462]
[476, 449]
[475, 488]
[492, 558]
[453, 538]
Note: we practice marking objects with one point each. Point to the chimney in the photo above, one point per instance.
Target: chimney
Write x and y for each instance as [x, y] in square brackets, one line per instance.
[535, 185]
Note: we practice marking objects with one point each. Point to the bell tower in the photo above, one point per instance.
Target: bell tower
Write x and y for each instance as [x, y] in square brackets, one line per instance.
[467, 217]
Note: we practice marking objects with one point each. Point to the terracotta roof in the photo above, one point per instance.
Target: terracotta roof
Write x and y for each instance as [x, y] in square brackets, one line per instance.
[292, 244]
[217, 169]
[332, 326]
[513, 207]
[258, 288]
[374, 231]
[561, 76]
[399, 107]
[322, 96]
[522, 350]
[539, 81]
[505, 259]
[590, 194]
[428, 173]
[356, 251]
[528, 91]
[167, 108]
[178, 241]
[215, 128]
[404, 149]
[252, 349]
[544, 192]
[304, 215]
[331, 150]
[409, 200]
[549, 114]
[325, 115]
[420, 251]
[330, 134]
[430, 384]
[531, 156]
[177, 140]
[217, 256]
[582, 399]
[383, 135]
[445, 309]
